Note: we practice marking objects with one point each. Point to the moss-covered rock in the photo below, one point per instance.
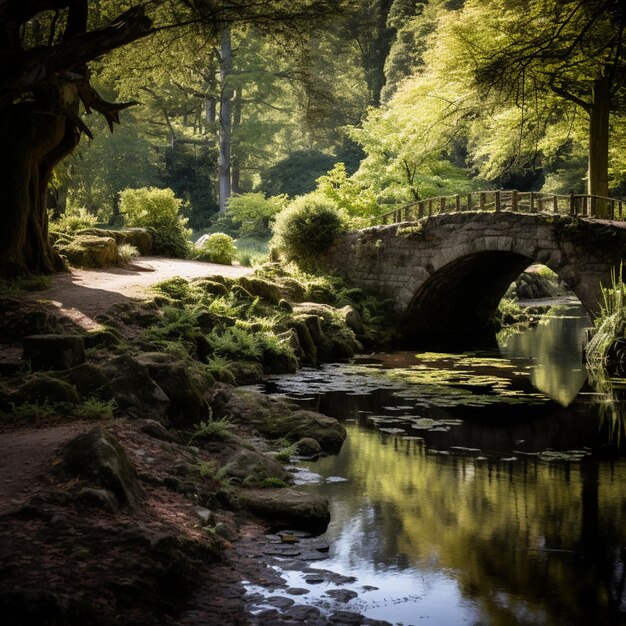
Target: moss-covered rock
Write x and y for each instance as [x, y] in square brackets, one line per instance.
[287, 508]
[140, 238]
[264, 289]
[90, 251]
[246, 372]
[88, 380]
[19, 319]
[184, 388]
[252, 468]
[135, 391]
[102, 338]
[276, 419]
[43, 389]
[308, 447]
[96, 455]
[308, 351]
[56, 352]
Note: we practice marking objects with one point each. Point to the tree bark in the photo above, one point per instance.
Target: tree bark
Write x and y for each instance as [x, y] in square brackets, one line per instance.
[235, 170]
[223, 163]
[598, 176]
[33, 143]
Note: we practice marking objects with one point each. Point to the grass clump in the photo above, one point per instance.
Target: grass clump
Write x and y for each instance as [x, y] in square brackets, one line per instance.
[603, 351]
[212, 429]
[126, 253]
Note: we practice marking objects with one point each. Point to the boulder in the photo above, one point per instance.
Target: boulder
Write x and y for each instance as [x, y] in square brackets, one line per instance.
[56, 352]
[89, 380]
[276, 418]
[327, 431]
[287, 508]
[308, 446]
[140, 238]
[90, 251]
[352, 319]
[96, 455]
[184, 391]
[135, 391]
[262, 288]
[253, 468]
[43, 389]
[19, 319]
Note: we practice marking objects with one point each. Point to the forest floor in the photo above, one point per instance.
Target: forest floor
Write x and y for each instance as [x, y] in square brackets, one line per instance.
[67, 554]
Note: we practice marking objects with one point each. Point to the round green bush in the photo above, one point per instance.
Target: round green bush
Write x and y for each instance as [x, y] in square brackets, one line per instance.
[306, 228]
[216, 248]
[159, 211]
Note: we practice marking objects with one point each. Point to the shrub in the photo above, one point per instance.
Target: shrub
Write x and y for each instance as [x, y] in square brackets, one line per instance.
[158, 210]
[126, 253]
[306, 228]
[216, 248]
[73, 220]
[253, 212]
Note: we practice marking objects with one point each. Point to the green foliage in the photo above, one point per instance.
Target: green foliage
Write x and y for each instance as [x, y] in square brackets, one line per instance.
[94, 409]
[160, 211]
[306, 228]
[216, 248]
[253, 212]
[350, 195]
[212, 429]
[252, 250]
[610, 324]
[126, 253]
[73, 219]
[16, 286]
[188, 171]
[296, 174]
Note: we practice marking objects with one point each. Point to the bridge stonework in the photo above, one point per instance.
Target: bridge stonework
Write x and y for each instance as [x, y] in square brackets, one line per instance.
[446, 274]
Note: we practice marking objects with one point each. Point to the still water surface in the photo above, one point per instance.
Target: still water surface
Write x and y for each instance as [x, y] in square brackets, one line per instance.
[479, 489]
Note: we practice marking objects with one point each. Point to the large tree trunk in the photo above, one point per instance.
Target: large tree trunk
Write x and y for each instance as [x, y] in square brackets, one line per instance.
[598, 181]
[33, 143]
[235, 167]
[223, 163]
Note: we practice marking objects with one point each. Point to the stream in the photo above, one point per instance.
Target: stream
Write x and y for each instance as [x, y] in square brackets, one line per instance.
[481, 488]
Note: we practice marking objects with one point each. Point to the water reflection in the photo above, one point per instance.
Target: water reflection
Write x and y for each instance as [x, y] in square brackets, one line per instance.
[512, 543]
[554, 348]
[460, 503]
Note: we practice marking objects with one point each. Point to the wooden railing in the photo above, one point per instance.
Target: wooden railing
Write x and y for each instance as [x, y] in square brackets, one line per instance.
[507, 200]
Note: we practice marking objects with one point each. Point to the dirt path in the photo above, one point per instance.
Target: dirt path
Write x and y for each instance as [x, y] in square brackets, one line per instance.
[25, 455]
[83, 294]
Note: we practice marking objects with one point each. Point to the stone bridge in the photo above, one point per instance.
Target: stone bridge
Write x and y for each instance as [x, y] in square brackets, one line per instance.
[446, 274]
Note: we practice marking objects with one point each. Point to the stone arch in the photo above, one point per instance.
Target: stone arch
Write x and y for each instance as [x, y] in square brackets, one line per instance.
[455, 307]
[446, 274]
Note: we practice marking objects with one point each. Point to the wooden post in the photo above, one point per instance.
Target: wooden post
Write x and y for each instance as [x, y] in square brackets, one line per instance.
[594, 206]
[482, 200]
[420, 209]
[514, 202]
[555, 204]
[532, 202]
[612, 210]
[384, 219]
[430, 208]
[540, 203]
[407, 213]
[585, 205]
[497, 201]
[620, 209]
[572, 204]
[457, 202]
[442, 205]
[469, 201]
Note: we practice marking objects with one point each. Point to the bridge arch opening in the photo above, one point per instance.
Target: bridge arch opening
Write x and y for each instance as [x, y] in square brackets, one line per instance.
[455, 308]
